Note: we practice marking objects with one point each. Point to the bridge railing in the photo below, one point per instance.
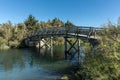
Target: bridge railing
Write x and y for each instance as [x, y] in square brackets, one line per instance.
[82, 30]
[58, 31]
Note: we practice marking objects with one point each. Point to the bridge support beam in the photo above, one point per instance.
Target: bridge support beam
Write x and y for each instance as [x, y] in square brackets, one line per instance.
[69, 47]
[46, 43]
[51, 46]
[39, 45]
[78, 51]
[65, 44]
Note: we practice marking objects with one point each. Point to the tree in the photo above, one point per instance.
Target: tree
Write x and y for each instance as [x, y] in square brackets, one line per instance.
[5, 34]
[31, 22]
[57, 23]
[69, 24]
[49, 23]
[6, 30]
[43, 24]
[21, 26]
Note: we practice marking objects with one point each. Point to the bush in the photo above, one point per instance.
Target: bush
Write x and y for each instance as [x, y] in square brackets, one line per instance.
[3, 47]
[105, 63]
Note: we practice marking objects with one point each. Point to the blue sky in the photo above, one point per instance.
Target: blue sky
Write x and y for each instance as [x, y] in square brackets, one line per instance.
[80, 12]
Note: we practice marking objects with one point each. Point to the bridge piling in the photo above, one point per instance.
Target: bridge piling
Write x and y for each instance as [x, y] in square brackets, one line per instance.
[72, 45]
[39, 44]
[65, 47]
[78, 51]
[51, 46]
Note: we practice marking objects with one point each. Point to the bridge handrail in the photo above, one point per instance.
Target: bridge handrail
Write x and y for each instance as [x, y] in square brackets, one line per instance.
[63, 30]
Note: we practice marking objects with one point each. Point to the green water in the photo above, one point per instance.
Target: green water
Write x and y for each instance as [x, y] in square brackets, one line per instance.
[29, 64]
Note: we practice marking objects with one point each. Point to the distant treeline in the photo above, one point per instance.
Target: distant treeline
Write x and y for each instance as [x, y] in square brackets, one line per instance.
[11, 36]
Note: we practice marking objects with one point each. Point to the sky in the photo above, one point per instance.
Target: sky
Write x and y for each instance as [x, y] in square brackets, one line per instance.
[80, 12]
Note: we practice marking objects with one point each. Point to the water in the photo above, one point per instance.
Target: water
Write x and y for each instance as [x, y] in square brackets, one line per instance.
[27, 64]
[75, 58]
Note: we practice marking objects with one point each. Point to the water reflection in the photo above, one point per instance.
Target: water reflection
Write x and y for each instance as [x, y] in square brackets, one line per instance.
[27, 64]
[10, 59]
[18, 58]
[56, 53]
[45, 58]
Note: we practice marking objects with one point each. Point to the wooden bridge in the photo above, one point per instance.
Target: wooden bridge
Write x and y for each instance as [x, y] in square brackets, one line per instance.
[76, 32]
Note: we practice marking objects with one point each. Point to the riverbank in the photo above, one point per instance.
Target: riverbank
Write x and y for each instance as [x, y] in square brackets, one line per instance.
[4, 47]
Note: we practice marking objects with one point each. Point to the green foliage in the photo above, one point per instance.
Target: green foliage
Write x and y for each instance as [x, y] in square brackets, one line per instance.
[57, 23]
[12, 35]
[99, 68]
[2, 44]
[30, 22]
[105, 63]
[4, 47]
[5, 34]
[69, 24]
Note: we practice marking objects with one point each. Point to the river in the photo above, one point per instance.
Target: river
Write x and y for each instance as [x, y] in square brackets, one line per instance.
[29, 64]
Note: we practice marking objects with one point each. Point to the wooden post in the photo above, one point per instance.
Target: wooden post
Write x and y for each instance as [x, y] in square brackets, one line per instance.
[39, 45]
[78, 51]
[65, 47]
[94, 33]
[65, 43]
[51, 46]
